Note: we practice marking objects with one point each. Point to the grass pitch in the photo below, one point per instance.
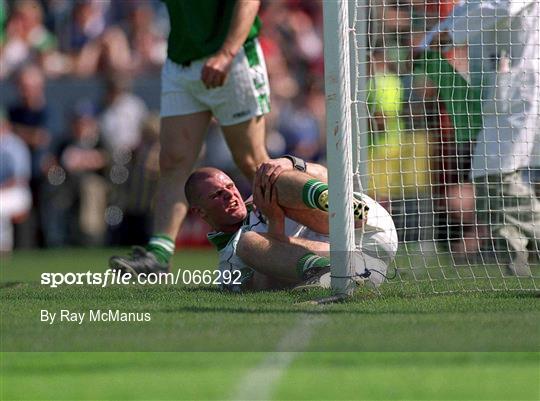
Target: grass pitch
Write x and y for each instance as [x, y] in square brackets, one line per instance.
[398, 345]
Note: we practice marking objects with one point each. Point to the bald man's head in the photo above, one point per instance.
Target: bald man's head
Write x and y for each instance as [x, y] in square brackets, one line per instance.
[212, 195]
[193, 189]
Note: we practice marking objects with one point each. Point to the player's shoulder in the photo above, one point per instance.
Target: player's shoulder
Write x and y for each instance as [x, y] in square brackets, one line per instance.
[221, 240]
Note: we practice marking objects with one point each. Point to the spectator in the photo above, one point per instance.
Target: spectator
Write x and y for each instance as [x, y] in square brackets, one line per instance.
[148, 44]
[91, 44]
[57, 15]
[121, 124]
[385, 99]
[122, 118]
[398, 159]
[14, 183]
[80, 201]
[300, 128]
[291, 28]
[27, 39]
[3, 17]
[137, 192]
[453, 95]
[29, 117]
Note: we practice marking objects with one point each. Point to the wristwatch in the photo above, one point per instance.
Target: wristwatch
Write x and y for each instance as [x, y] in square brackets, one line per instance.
[298, 164]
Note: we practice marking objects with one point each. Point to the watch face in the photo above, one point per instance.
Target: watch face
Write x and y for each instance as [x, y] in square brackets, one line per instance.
[298, 164]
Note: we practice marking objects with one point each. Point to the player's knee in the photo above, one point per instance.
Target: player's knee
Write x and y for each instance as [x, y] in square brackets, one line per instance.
[169, 161]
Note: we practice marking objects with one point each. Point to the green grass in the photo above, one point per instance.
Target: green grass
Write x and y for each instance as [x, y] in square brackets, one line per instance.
[397, 333]
[125, 376]
[415, 376]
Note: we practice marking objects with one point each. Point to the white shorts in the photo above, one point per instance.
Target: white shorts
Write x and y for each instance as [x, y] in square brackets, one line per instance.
[376, 244]
[245, 94]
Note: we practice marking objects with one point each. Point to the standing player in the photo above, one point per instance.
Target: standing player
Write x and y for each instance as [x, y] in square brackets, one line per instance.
[282, 239]
[215, 67]
[503, 39]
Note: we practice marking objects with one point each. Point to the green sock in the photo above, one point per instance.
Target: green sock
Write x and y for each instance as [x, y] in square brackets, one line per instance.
[162, 246]
[315, 195]
[310, 261]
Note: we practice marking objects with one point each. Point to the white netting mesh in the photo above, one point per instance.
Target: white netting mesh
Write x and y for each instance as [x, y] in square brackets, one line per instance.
[445, 94]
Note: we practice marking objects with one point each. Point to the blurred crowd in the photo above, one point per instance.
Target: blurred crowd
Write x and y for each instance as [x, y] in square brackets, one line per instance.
[82, 38]
[91, 182]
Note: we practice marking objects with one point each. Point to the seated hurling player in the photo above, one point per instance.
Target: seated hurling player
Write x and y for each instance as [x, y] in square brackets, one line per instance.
[281, 239]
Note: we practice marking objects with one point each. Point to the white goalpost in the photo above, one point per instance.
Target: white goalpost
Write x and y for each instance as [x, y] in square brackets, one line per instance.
[339, 142]
[433, 110]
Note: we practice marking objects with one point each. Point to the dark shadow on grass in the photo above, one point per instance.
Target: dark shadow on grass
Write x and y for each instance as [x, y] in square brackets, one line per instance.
[13, 284]
[516, 294]
[317, 310]
[360, 296]
[111, 365]
[251, 311]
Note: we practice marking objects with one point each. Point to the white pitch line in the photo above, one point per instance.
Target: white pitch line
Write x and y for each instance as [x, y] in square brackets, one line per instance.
[259, 382]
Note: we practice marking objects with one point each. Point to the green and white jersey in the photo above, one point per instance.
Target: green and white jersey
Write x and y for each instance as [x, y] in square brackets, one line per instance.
[199, 28]
[226, 244]
[462, 100]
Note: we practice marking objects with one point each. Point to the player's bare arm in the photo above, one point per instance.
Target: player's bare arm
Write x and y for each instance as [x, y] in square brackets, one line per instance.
[265, 197]
[216, 68]
[288, 186]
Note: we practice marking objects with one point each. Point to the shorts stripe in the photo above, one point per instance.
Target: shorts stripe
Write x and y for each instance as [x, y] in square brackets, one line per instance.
[251, 53]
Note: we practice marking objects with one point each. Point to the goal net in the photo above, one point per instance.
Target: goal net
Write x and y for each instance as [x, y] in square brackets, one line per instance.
[440, 100]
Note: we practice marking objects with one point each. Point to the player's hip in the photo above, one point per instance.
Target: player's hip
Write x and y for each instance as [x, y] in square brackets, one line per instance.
[244, 95]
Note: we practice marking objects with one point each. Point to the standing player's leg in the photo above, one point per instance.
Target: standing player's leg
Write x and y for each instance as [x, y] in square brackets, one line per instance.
[246, 141]
[240, 106]
[181, 139]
